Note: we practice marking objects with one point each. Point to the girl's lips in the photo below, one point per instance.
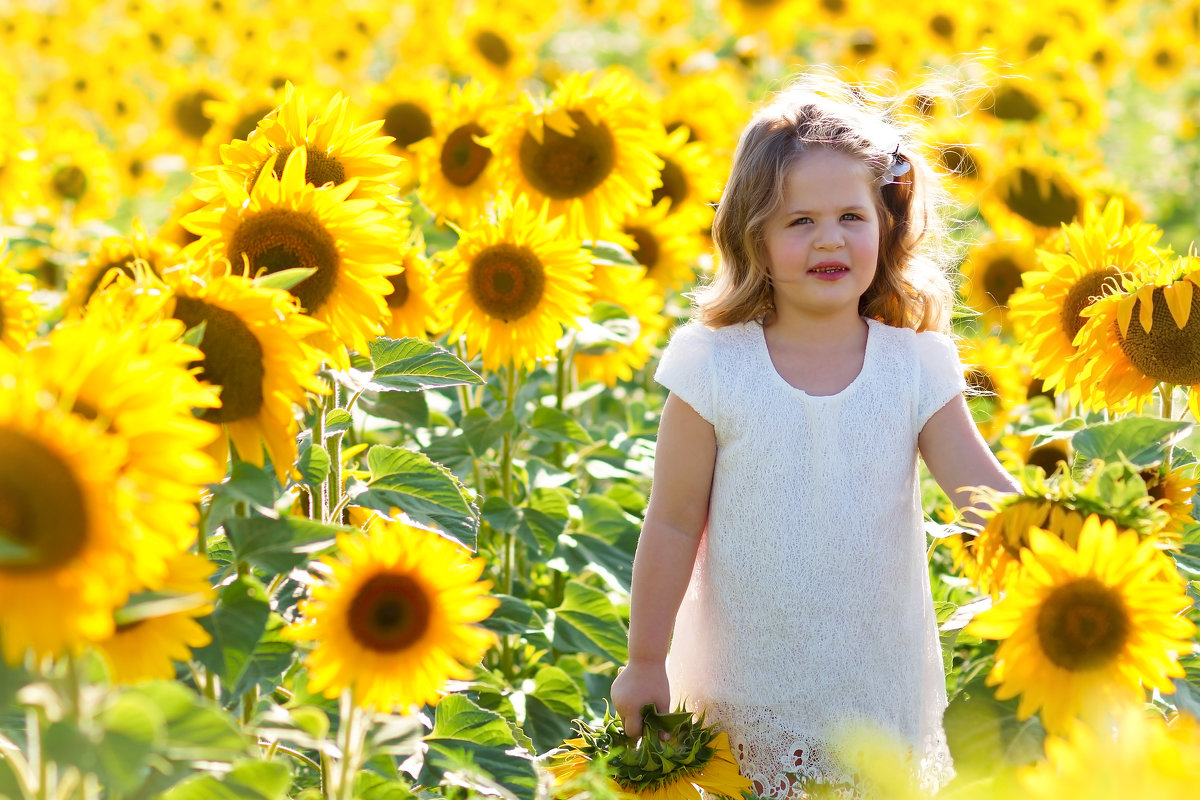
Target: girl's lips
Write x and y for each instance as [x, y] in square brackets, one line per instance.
[829, 268]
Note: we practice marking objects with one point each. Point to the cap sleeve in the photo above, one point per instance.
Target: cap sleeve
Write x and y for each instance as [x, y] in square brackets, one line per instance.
[941, 374]
[686, 368]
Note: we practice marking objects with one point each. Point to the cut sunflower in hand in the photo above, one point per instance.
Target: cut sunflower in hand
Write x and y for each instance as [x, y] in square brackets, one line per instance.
[690, 758]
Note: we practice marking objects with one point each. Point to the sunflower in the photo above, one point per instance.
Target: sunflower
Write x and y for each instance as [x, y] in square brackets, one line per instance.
[235, 118]
[286, 223]
[407, 104]
[1139, 754]
[775, 18]
[587, 154]
[667, 245]
[1174, 492]
[712, 106]
[253, 349]
[18, 312]
[77, 173]
[457, 173]
[114, 252]
[996, 389]
[1091, 623]
[691, 759]
[411, 311]
[512, 285]
[495, 46]
[146, 648]
[396, 618]
[337, 151]
[958, 145]
[689, 180]
[1168, 51]
[992, 272]
[1046, 312]
[1034, 194]
[187, 113]
[1058, 504]
[68, 559]
[1018, 452]
[1144, 337]
[642, 299]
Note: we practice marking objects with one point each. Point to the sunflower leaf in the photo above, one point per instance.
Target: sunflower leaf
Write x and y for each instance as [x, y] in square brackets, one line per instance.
[406, 365]
[476, 746]
[555, 700]
[1142, 441]
[610, 253]
[426, 491]
[250, 779]
[237, 623]
[551, 425]
[286, 279]
[588, 622]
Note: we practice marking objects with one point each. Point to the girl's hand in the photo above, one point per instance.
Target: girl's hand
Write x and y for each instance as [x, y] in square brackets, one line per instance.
[637, 684]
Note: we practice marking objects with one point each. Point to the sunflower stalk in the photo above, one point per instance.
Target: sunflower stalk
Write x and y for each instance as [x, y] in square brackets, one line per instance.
[318, 437]
[1167, 390]
[334, 479]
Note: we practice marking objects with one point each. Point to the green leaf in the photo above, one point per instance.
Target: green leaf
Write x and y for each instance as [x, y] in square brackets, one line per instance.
[610, 253]
[603, 517]
[1143, 441]
[483, 432]
[196, 730]
[313, 463]
[271, 658]
[408, 408]
[195, 335]
[406, 365]
[530, 524]
[250, 779]
[236, 624]
[984, 733]
[477, 745]
[252, 485]
[551, 425]
[607, 327]
[277, 545]
[549, 709]
[426, 491]
[285, 279]
[588, 622]
[369, 786]
[133, 727]
[338, 420]
[513, 617]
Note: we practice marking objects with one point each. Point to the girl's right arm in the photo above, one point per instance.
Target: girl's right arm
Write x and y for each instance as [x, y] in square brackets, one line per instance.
[675, 518]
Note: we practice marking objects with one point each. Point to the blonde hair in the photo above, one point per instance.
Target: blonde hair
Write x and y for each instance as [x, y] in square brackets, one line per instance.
[911, 287]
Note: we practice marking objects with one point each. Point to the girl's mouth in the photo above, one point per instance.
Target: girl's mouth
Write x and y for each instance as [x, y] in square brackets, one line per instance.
[829, 269]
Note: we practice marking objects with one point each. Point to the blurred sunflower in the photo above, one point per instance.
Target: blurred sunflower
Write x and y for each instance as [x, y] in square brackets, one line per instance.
[77, 173]
[1139, 754]
[407, 104]
[457, 173]
[1014, 100]
[1142, 337]
[287, 224]
[642, 299]
[395, 618]
[1046, 313]
[587, 154]
[114, 252]
[1018, 452]
[1032, 193]
[1087, 627]
[411, 310]
[494, 46]
[992, 272]
[666, 245]
[959, 147]
[1057, 504]
[146, 648]
[337, 151]
[253, 349]
[65, 556]
[777, 19]
[996, 392]
[512, 285]
[187, 113]
[1173, 491]
[689, 180]
[236, 117]
[18, 311]
[712, 106]
[1166, 53]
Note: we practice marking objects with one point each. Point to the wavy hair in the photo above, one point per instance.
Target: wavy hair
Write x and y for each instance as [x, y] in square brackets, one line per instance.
[911, 287]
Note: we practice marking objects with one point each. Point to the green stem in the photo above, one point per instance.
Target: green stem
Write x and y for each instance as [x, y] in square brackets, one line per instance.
[318, 440]
[508, 565]
[301, 757]
[334, 478]
[249, 702]
[201, 532]
[38, 768]
[560, 394]
[1167, 390]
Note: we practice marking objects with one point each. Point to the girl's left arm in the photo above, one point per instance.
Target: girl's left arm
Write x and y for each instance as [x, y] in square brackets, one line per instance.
[958, 457]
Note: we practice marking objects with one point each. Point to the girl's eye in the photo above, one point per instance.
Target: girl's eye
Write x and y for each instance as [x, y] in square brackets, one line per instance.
[801, 221]
[851, 216]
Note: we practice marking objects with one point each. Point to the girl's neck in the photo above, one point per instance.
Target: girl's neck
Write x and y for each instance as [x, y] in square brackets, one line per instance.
[833, 332]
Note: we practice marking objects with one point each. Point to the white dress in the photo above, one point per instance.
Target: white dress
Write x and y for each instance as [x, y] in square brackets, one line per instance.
[809, 605]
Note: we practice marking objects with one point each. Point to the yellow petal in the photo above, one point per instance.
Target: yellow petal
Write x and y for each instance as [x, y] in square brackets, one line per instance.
[1124, 314]
[1179, 299]
[1146, 312]
[560, 120]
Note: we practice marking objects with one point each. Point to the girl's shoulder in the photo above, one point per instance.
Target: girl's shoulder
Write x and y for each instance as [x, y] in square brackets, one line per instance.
[696, 337]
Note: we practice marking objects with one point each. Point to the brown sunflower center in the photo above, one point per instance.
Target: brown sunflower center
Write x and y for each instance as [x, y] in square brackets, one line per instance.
[463, 158]
[248, 122]
[1049, 456]
[1001, 277]
[399, 295]
[407, 123]
[493, 48]
[43, 512]
[389, 613]
[566, 167]
[233, 359]
[1045, 203]
[279, 239]
[674, 185]
[1014, 103]
[957, 158]
[942, 25]
[70, 182]
[677, 124]
[1082, 625]
[1167, 352]
[645, 247]
[506, 281]
[1037, 388]
[319, 168]
[1085, 292]
[189, 115]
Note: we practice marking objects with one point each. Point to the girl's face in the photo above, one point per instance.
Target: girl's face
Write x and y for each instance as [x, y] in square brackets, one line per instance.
[823, 244]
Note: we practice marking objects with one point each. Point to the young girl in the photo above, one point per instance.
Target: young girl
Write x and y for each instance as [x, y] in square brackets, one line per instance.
[782, 560]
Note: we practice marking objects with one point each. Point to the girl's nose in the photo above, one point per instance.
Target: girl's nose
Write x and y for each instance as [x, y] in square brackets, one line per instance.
[830, 238]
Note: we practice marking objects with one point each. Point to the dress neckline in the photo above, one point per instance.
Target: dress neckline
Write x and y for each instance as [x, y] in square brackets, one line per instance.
[760, 340]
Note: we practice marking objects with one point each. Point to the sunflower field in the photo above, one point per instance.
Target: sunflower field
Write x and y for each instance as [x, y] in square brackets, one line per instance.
[327, 411]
